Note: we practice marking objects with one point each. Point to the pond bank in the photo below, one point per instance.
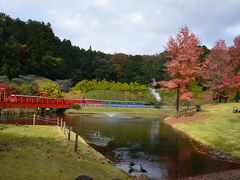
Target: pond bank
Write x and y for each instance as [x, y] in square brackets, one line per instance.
[43, 152]
[216, 130]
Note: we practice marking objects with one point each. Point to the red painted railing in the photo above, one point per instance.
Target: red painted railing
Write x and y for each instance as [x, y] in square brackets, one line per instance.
[7, 100]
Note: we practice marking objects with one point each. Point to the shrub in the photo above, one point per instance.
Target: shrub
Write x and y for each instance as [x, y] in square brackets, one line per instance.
[53, 89]
[28, 89]
[4, 79]
[65, 85]
[76, 106]
[17, 81]
[85, 86]
[29, 77]
[9, 88]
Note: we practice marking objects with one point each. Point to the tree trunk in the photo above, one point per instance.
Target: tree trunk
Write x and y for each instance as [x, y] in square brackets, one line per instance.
[219, 99]
[177, 104]
[237, 95]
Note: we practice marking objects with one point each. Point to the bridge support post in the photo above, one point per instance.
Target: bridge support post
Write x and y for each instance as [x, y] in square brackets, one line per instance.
[34, 119]
[76, 143]
[61, 123]
[57, 121]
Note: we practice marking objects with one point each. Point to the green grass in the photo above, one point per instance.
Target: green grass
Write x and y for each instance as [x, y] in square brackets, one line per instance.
[125, 110]
[144, 96]
[40, 81]
[167, 98]
[218, 128]
[42, 152]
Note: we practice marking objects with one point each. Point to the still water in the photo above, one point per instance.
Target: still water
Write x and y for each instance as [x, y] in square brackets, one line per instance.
[146, 142]
[161, 151]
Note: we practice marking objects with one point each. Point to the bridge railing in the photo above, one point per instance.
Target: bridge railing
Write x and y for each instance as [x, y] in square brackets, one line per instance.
[38, 100]
[16, 100]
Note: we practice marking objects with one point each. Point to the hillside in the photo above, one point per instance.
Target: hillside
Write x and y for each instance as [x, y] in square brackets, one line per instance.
[32, 48]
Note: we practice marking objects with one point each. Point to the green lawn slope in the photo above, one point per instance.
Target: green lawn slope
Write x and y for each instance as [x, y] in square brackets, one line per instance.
[42, 152]
[167, 98]
[216, 126]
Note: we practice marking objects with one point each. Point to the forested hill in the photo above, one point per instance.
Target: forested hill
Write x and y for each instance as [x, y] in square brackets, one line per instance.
[32, 48]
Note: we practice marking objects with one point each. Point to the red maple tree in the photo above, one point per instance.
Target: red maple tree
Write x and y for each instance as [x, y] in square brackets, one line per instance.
[184, 67]
[217, 70]
[9, 88]
[233, 78]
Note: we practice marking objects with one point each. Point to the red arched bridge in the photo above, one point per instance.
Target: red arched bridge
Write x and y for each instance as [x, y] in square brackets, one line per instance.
[8, 100]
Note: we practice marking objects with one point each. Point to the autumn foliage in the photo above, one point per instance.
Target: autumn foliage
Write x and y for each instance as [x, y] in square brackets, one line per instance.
[184, 67]
[9, 88]
[233, 80]
[217, 71]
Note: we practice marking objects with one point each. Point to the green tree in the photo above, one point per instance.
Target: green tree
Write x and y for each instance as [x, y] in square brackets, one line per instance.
[159, 66]
[102, 68]
[51, 66]
[132, 68]
[10, 64]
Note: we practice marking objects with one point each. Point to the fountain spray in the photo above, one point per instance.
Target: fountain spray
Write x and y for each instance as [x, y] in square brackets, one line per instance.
[155, 94]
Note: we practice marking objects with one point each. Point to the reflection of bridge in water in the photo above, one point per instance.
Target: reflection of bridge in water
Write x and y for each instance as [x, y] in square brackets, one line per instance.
[39, 120]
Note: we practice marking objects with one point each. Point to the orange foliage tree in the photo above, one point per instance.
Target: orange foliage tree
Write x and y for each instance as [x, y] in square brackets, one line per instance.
[217, 70]
[234, 69]
[184, 66]
[9, 88]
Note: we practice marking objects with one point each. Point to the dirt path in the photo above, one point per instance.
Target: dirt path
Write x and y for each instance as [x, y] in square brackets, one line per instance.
[185, 119]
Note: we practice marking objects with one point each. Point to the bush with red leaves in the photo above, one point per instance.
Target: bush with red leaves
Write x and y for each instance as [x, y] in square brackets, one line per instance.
[9, 88]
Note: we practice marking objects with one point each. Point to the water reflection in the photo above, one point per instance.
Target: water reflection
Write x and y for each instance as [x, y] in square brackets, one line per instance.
[154, 133]
[147, 142]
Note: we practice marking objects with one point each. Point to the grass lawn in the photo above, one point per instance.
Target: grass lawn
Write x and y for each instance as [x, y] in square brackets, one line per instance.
[125, 110]
[216, 126]
[42, 152]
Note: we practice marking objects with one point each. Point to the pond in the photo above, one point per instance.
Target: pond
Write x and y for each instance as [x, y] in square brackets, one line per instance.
[140, 141]
[145, 142]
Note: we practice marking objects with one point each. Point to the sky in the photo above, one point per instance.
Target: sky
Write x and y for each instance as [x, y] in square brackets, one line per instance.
[130, 26]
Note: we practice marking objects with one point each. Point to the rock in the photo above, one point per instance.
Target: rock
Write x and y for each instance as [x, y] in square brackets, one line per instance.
[116, 179]
[83, 177]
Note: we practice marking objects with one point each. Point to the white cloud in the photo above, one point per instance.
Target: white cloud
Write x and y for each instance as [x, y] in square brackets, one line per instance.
[233, 30]
[136, 26]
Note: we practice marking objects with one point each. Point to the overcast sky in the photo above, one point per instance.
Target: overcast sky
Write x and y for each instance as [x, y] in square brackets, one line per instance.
[130, 26]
